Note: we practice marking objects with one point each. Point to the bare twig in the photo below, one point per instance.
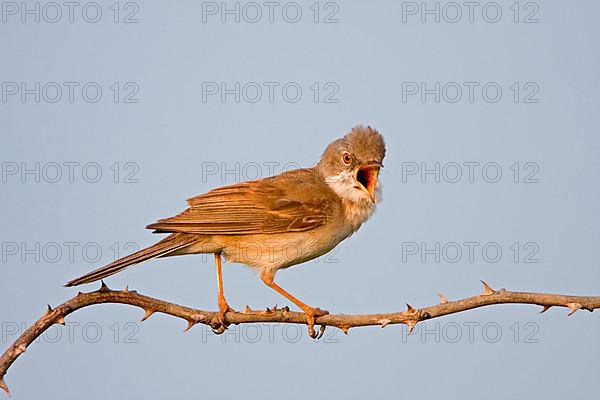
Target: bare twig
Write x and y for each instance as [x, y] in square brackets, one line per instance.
[411, 316]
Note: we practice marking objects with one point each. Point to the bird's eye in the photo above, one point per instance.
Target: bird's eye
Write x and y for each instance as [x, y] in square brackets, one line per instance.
[347, 158]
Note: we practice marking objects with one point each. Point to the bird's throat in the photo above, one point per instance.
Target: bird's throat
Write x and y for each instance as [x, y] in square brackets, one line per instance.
[357, 213]
[357, 204]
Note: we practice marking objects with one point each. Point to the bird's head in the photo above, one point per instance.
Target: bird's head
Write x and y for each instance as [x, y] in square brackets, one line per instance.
[350, 165]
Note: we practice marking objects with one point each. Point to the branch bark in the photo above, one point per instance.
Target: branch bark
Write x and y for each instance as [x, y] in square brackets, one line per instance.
[411, 316]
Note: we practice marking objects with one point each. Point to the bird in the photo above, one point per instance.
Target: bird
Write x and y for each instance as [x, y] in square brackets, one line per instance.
[275, 222]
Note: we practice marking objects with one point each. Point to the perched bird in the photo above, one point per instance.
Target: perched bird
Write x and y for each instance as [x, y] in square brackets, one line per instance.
[276, 222]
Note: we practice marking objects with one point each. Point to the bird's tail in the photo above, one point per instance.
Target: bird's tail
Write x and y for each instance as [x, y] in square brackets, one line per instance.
[164, 247]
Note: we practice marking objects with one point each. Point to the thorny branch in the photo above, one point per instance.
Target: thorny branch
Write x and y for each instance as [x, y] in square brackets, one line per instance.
[411, 316]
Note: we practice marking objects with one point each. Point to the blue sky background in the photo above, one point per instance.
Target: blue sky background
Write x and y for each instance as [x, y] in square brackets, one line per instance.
[160, 135]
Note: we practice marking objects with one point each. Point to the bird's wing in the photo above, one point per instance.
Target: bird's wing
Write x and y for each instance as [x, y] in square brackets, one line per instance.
[264, 206]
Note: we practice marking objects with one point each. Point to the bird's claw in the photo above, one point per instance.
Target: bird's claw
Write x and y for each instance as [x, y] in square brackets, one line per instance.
[311, 315]
[218, 329]
[220, 325]
[321, 331]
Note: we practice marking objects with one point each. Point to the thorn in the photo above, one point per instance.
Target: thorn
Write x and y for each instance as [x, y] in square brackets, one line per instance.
[487, 290]
[126, 290]
[443, 299]
[384, 322]
[546, 308]
[247, 310]
[79, 293]
[49, 310]
[285, 309]
[409, 310]
[20, 349]
[268, 310]
[574, 307]
[411, 325]
[4, 387]
[190, 325]
[103, 287]
[147, 313]
[344, 329]
[60, 320]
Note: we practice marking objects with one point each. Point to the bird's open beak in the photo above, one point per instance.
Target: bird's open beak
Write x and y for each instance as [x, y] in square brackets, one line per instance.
[367, 176]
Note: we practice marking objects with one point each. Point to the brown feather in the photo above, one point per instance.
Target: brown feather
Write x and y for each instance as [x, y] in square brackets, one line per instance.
[160, 249]
[255, 207]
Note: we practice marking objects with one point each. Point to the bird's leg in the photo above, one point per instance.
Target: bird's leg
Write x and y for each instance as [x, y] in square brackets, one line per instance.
[268, 277]
[223, 306]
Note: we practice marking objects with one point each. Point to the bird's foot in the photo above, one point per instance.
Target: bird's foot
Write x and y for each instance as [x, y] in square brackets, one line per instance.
[311, 315]
[221, 324]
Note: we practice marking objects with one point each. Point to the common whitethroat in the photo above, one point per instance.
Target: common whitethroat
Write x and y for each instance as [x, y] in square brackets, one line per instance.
[276, 222]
